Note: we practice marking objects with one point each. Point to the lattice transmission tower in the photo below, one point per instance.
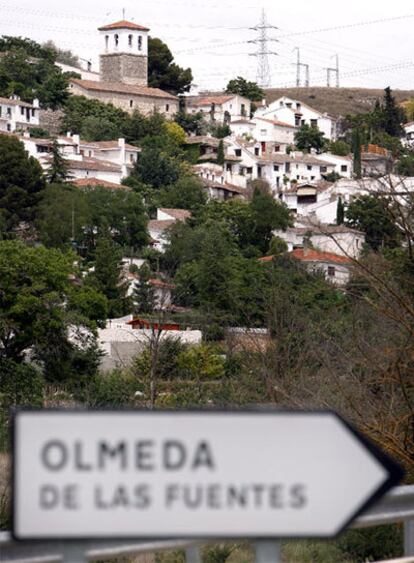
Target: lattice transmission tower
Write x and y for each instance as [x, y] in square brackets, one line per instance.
[263, 52]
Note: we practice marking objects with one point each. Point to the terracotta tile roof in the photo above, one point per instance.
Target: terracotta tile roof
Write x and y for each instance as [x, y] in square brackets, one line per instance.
[275, 122]
[93, 182]
[226, 187]
[241, 121]
[160, 226]
[179, 214]
[91, 164]
[312, 255]
[123, 24]
[108, 145]
[218, 100]
[120, 88]
[9, 102]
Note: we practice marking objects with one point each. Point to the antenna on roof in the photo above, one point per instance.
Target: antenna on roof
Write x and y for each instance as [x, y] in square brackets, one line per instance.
[123, 13]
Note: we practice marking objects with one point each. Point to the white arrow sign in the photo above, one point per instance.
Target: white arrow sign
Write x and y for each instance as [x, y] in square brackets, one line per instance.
[134, 474]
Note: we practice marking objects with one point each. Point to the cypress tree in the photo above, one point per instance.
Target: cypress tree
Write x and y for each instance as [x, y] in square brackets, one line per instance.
[143, 294]
[356, 141]
[340, 212]
[220, 153]
[393, 115]
[58, 172]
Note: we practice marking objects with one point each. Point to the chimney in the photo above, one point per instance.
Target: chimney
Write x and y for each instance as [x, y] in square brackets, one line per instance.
[36, 103]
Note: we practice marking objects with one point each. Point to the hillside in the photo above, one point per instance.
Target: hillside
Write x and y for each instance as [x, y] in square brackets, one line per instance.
[337, 101]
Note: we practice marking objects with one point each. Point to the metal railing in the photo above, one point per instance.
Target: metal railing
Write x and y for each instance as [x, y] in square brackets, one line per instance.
[396, 507]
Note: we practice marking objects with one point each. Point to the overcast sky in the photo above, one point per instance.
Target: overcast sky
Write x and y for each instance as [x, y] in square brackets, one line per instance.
[211, 36]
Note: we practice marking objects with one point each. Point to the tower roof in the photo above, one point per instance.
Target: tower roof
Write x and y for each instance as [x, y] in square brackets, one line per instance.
[123, 24]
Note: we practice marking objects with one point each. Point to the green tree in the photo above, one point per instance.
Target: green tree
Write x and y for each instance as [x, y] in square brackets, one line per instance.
[309, 137]
[277, 246]
[243, 87]
[268, 215]
[340, 212]
[78, 109]
[191, 123]
[108, 277]
[339, 148]
[405, 166]
[21, 183]
[356, 147]
[90, 303]
[34, 283]
[163, 72]
[372, 215]
[99, 129]
[28, 70]
[156, 168]
[144, 294]
[220, 153]
[393, 115]
[187, 193]
[58, 171]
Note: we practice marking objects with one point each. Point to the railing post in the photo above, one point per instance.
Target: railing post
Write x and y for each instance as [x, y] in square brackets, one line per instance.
[268, 552]
[192, 555]
[409, 537]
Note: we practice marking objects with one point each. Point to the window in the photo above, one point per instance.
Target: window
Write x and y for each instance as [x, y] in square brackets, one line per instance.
[130, 38]
[324, 169]
[33, 113]
[297, 177]
[139, 42]
[237, 152]
[277, 148]
[287, 167]
[256, 151]
[303, 122]
[331, 271]
[131, 103]
[22, 111]
[131, 158]
[281, 104]
[8, 127]
[298, 106]
[297, 120]
[344, 168]
[263, 131]
[288, 105]
[8, 112]
[309, 167]
[312, 177]
[106, 41]
[167, 107]
[243, 110]
[276, 168]
[116, 38]
[314, 122]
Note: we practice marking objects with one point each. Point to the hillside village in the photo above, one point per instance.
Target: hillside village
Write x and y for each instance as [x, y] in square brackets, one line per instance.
[164, 249]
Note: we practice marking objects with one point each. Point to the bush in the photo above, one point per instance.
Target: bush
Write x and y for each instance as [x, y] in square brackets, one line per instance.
[115, 389]
[373, 544]
[169, 351]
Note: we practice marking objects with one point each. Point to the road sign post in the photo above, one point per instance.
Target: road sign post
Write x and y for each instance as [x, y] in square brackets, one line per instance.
[139, 474]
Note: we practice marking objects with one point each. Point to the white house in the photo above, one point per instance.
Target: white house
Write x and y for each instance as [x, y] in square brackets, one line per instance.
[16, 115]
[336, 268]
[343, 164]
[409, 133]
[166, 218]
[337, 239]
[297, 113]
[223, 108]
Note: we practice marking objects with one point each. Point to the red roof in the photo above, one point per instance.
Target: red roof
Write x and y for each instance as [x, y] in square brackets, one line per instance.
[121, 88]
[123, 24]
[275, 122]
[93, 182]
[218, 100]
[312, 255]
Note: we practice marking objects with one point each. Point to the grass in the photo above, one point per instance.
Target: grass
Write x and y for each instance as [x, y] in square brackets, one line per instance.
[337, 101]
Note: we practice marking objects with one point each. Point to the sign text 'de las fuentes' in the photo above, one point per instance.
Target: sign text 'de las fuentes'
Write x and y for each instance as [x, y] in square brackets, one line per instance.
[132, 474]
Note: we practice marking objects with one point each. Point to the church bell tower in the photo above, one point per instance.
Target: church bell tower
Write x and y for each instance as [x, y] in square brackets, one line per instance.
[125, 54]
